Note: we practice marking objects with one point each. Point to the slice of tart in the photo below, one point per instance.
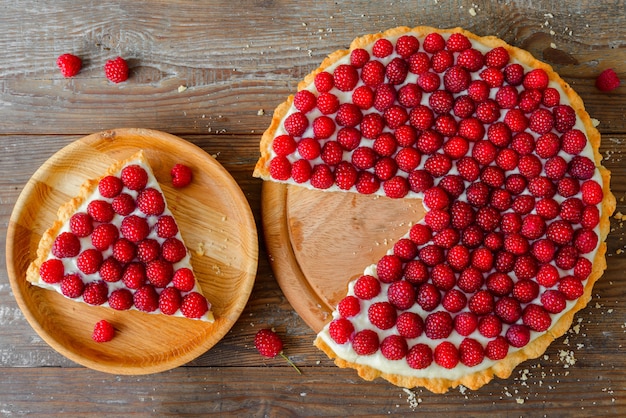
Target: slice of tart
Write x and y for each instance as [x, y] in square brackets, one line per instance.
[117, 244]
[505, 160]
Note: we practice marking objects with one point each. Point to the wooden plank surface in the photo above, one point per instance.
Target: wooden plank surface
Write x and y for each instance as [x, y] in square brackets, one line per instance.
[238, 60]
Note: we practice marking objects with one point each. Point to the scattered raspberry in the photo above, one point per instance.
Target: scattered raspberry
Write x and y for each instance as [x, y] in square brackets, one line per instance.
[116, 70]
[607, 80]
[182, 175]
[103, 331]
[69, 64]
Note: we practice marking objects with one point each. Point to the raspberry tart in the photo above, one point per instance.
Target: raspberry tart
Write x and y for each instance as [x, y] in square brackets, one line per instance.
[505, 160]
[118, 245]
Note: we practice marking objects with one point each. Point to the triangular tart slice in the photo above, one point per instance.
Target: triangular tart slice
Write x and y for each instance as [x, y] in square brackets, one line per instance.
[505, 159]
[117, 244]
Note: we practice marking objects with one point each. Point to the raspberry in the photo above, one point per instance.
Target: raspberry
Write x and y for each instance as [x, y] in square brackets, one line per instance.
[183, 279]
[123, 204]
[389, 268]
[470, 280]
[394, 347]
[396, 71]
[481, 302]
[463, 106]
[508, 309]
[429, 81]
[345, 77]
[428, 297]
[366, 287]
[72, 286]
[103, 332]
[437, 220]
[308, 148]
[365, 342]
[134, 228]
[409, 95]
[323, 127]
[548, 275]
[487, 111]
[323, 82]
[66, 244]
[518, 335]
[607, 80]
[173, 250]
[471, 352]
[348, 306]
[419, 356]
[69, 64]
[441, 60]
[116, 70]
[150, 201]
[560, 232]
[296, 123]
[543, 250]
[513, 74]
[304, 101]
[363, 97]
[493, 77]
[465, 323]
[100, 211]
[555, 167]
[396, 187]
[146, 298]
[52, 271]
[564, 118]
[484, 152]
[268, 343]
[348, 115]
[121, 299]
[321, 177]
[373, 73]
[497, 349]
[382, 48]
[110, 270]
[358, 57]
[134, 177]
[327, 103]
[566, 257]
[443, 277]
[407, 45]
[332, 153]
[405, 249]
[341, 330]
[536, 318]
[456, 79]
[81, 224]
[384, 97]
[553, 301]
[456, 147]
[499, 284]
[541, 121]
[159, 272]
[438, 325]
[367, 183]
[345, 175]
[349, 138]
[385, 168]
[170, 300]
[471, 59]
[446, 355]
[110, 186]
[166, 226]
[95, 293]
[585, 240]
[395, 116]
[446, 238]
[573, 141]
[89, 261]
[592, 193]
[536, 79]
[454, 300]
[148, 250]
[551, 97]
[571, 287]
[409, 325]
[372, 125]
[458, 257]
[525, 290]
[516, 120]
[182, 175]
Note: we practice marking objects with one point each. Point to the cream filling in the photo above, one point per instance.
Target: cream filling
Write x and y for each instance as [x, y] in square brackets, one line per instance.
[377, 360]
[70, 263]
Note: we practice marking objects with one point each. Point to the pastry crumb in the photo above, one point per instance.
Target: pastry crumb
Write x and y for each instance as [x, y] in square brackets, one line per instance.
[260, 112]
[182, 88]
[200, 249]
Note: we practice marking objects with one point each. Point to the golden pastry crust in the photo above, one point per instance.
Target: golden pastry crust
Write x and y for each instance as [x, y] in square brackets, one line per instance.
[66, 211]
[535, 348]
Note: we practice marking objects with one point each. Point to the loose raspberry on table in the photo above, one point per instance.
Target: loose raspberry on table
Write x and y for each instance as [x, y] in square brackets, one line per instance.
[69, 64]
[116, 70]
[608, 80]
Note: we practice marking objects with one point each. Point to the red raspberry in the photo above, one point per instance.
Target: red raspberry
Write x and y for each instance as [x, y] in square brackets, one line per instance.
[394, 347]
[470, 280]
[341, 330]
[345, 77]
[437, 220]
[385, 168]
[182, 175]
[194, 305]
[420, 234]
[420, 180]
[516, 120]
[571, 287]
[146, 298]
[548, 145]
[551, 97]
[134, 228]
[111, 270]
[514, 74]
[419, 356]
[308, 148]
[170, 300]
[72, 286]
[592, 193]
[389, 268]
[349, 115]
[481, 302]
[367, 183]
[441, 60]
[89, 261]
[454, 300]
[458, 257]
[365, 342]
[438, 325]
[499, 284]
[366, 287]
[66, 244]
[327, 103]
[407, 45]
[363, 97]
[116, 70]
[372, 125]
[443, 277]
[405, 249]
[421, 117]
[463, 106]
[541, 121]
[332, 153]
[384, 97]
[591, 217]
[348, 306]
[568, 187]
[428, 297]
[382, 48]
[121, 299]
[81, 224]
[95, 293]
[103, 331]
[296, 123]
[373, 73]
[458, 42]
[607, 80]
[488, 111]
[446, 355]
[385, 144]
[566, 257]
[134, 177]
[358, 57]
[110, 186]
[396, 71]
[560, 232]
[69, 64]
[321, 177]
[396, 187]
[543, 250]
[409, 95]
[52, 271]
[304, 101]
[555, 168]
[100, 211]
[184, 279]
[456, 147]
[345, 175]
[564, 118]
[553, 301]
[536, 79]
[148, 250]
[419, 63]
[507, 97]
[268, 343]
[103, 236]
[536, 318]
[508, 309]
[525, 290]
[323, 82]
[433, 42]
[166, 226]
[123, 204]
[585, 240]
[573, 141]
[497, 57]
[471, 59]
[497, 349]
[323, 127]
[518, 335]
[349, 138]
[173, 250]
[465, 323]
[150, 201]
[478, 90]
[456, 79]
[429, 81]
[471, 352]
[446, 238]
[409, 325]
[159, 272]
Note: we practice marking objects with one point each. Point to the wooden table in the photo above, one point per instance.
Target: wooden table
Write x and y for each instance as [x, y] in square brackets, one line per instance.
[238, 60]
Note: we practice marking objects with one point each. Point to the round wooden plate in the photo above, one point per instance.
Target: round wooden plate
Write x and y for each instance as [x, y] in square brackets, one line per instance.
[318, 241]
[216, 223]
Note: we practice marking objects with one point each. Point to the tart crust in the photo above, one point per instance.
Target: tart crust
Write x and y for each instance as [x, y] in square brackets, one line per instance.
[502, 368]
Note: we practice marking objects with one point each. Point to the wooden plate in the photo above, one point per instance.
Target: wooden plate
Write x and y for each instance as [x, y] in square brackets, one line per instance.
[318, 241]
[216, 223]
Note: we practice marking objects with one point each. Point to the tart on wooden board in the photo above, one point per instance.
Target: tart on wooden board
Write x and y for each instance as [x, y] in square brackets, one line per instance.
[504, 158]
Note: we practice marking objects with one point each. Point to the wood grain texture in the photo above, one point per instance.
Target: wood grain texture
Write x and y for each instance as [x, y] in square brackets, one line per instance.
[229, 80]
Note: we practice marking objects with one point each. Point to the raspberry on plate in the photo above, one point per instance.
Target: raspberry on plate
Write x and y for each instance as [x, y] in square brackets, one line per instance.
[103, 331]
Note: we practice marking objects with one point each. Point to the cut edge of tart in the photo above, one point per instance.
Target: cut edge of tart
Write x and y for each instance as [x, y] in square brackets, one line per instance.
[474, 377]
[180, 260]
